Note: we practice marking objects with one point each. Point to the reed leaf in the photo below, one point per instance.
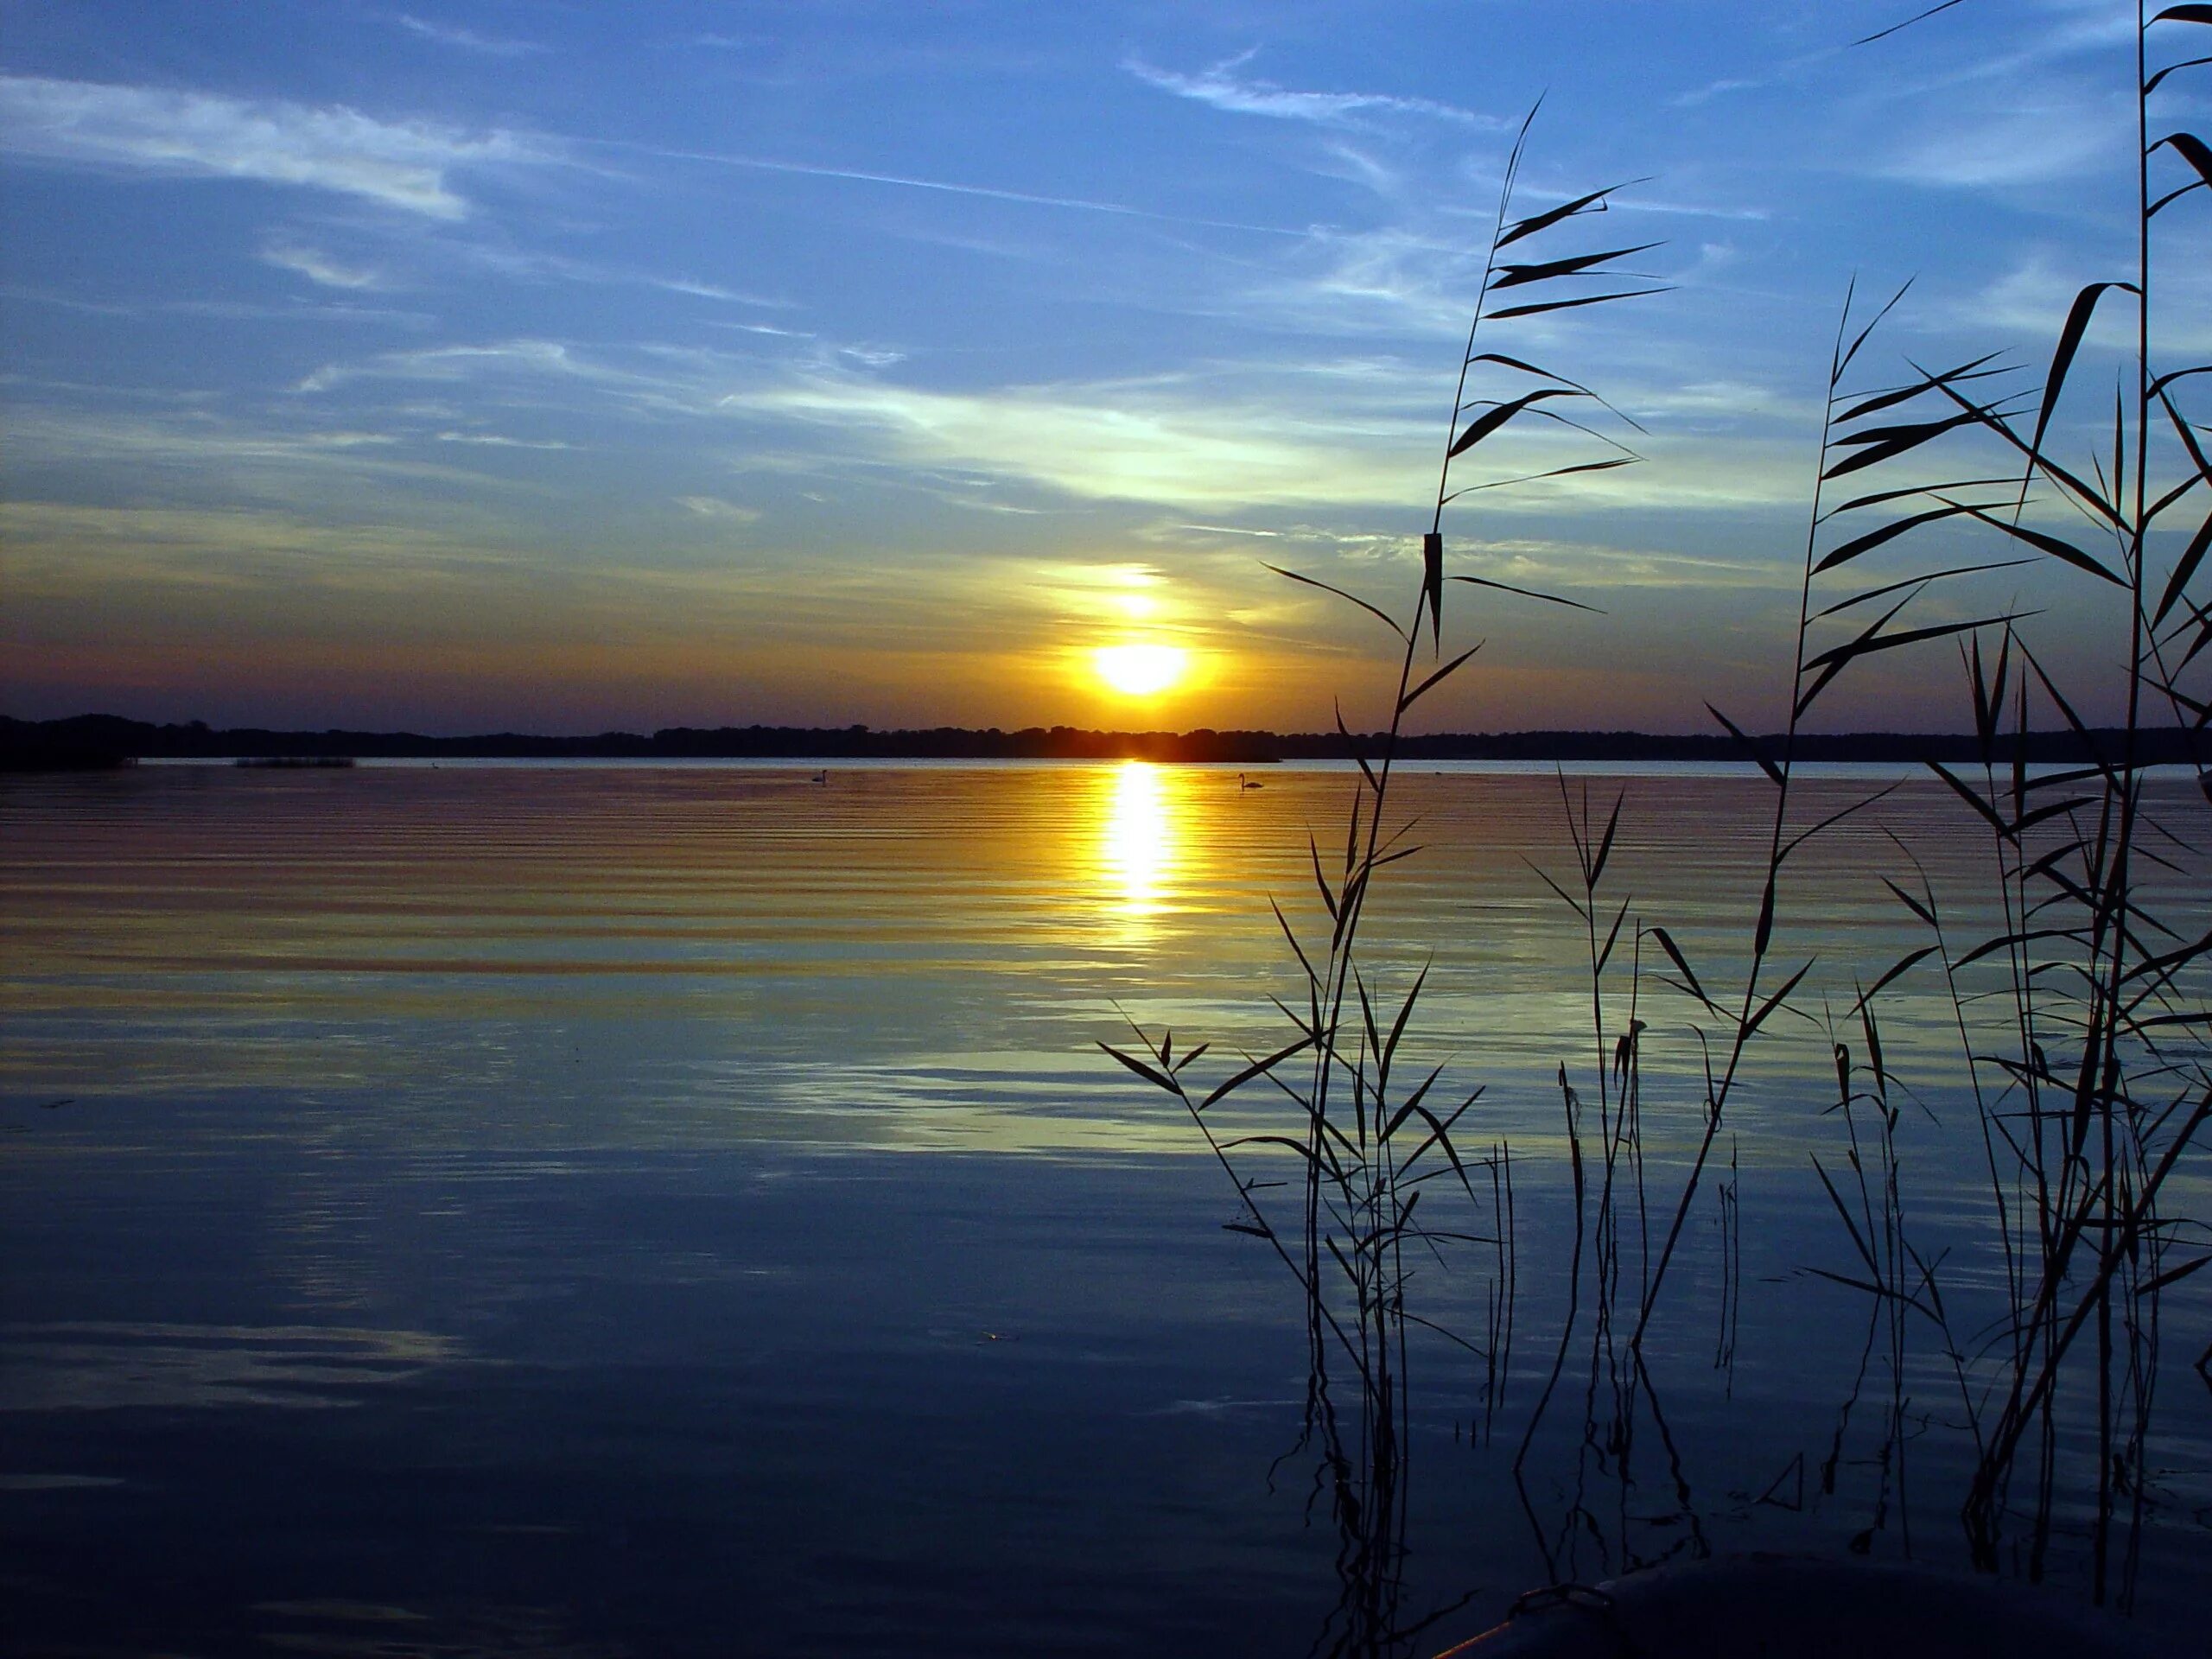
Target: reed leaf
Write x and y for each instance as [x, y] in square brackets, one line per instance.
[1411, 1105]
[1682, 965]
[1256, 1069]
[1593, 203]
[2064, 551]
[1866, 1252]
[1436, 678]
[1440, 1135]
[1918, 17]
[1612, 936]
[1431, 586]
[1991, 420]
[1835, 818]
[1531, 593]
[2191, 148]
[1776, 1001]
[1569, 305]
[1920, 581]
[2158, 508]
[1405, 1014]
[2188, 437]
[2152, 84]
[1365, 771]
[1150, 1074]
[1535, 477]
[1904, 964]
[2078, 316]
[1575, 265]
[1751, 746]
[1970, 370]
[1883, 443]
[1489, 421]
[1566, 898]
[1881, 496]
[2170, 1276]
[1888, 532]
[1832, 662]
[1328, 899]
[1310, 582]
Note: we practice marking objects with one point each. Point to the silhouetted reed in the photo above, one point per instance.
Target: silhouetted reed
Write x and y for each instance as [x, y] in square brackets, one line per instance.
[2084, 1042]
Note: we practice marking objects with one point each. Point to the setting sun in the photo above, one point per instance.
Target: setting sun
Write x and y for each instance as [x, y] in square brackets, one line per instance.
[1141, 670]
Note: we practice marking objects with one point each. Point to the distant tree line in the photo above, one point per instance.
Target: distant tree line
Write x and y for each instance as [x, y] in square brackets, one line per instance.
[92, 741]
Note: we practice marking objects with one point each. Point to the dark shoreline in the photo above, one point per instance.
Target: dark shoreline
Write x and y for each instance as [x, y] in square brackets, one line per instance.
[91, 741]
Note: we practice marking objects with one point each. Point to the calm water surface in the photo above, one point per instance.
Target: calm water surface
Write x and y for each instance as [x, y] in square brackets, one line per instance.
[651, 1210]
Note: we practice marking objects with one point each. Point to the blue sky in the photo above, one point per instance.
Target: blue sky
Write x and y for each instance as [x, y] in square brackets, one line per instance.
[563, 367]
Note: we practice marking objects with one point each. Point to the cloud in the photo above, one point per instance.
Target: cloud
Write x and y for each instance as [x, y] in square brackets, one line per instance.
[1096, 445]
[2021, 146]
[457, 364]
[238, 460]
[1713, 89]
[2029, 300]
[1390, 279]
[469, 40]
[699, 290]
[317, 266]
[492, 440]
[713, 506]
[766, 328]
[230, 310]
[1226, 439]
[1219, 88]
[204, 135]
[54, 542]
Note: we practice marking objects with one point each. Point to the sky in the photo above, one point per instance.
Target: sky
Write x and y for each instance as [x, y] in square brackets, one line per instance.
[535, 366]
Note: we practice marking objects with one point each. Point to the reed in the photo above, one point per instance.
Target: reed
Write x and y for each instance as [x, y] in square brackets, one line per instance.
[2085, 1044]
[2097, 1084]
[1369, 1142]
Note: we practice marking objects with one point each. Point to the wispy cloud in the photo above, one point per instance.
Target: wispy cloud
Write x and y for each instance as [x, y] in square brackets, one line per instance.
[403, 164]
[1104, 443]
[469, 40]
[1220, 88]
[699, 290]
[495, 440]
[455, 365]
[246, 457]
[2029, 300]
[317, 266]
[713, 506]
[2022, 144]
[1230, 439]
[229, 310]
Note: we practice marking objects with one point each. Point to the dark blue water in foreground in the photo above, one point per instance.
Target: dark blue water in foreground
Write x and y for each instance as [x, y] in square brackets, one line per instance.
[649, 1210]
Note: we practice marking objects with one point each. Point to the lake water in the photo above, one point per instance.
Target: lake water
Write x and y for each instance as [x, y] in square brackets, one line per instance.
[635, 1210]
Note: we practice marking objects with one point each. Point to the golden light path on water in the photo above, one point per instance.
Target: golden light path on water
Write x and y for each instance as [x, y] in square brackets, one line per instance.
[1138, 840]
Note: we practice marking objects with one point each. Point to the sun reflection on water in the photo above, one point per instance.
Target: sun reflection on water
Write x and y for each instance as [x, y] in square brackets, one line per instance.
[1137, 841]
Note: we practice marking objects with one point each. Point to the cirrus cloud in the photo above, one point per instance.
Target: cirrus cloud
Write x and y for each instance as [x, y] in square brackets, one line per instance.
[1221, 89]
[403, 164]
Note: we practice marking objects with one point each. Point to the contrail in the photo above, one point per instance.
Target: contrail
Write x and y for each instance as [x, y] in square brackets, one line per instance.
[1081, 204]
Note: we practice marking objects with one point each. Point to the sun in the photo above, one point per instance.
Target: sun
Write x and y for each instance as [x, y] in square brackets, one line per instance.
[1141, 670]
